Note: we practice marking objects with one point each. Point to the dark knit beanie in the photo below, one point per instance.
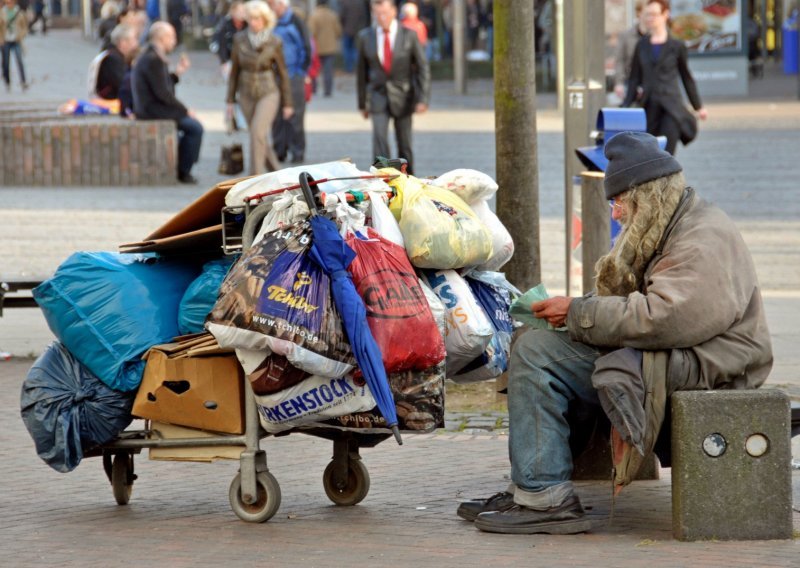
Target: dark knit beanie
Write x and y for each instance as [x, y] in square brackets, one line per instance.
[635, 158]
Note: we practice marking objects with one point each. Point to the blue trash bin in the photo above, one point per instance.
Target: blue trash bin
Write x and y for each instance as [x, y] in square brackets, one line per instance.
[790, 46]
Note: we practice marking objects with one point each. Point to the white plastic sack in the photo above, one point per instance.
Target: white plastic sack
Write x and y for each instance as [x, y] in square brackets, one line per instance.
[382, 220]
[470, 185]
[502, 243]
[468, 329]
[287, 209]
[283, 178]
[315, 398]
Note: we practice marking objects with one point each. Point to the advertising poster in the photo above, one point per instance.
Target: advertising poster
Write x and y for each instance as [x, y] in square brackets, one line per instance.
[708, 26]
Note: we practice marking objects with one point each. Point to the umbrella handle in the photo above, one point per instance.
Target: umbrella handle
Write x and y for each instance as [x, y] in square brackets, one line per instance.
[311, 199]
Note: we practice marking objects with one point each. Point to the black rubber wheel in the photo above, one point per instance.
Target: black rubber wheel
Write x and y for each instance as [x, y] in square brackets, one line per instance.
[356, 488]
[265, 506]
[122, 478]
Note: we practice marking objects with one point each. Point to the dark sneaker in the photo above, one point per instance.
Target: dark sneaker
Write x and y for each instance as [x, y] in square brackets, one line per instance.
[469, 510]
[565, 519]
[187, 178]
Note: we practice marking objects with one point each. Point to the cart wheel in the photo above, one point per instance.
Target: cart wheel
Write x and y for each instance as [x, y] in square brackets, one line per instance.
[122, 478]
[357, 484]
[269, 498]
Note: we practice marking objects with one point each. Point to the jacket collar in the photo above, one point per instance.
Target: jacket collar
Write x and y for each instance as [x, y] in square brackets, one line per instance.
[687, 200]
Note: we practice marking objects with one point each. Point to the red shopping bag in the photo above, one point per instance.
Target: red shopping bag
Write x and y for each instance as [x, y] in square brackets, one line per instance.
[397, 312]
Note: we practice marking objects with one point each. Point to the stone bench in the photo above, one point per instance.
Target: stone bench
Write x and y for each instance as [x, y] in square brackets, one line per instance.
[730, 453]
[46, 150]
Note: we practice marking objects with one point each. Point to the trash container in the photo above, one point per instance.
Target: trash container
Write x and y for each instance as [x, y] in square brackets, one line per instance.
[791, 46]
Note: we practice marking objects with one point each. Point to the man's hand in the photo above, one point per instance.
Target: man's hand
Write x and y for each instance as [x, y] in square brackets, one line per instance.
[619, 90]
[190, 113]
[554, 310]
[702, 113]
[225, 70]
[287, 112]
[183, 65]
[365, 113]
[421, 108]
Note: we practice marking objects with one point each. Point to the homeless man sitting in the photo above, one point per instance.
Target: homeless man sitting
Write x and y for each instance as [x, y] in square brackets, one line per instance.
[677, 306]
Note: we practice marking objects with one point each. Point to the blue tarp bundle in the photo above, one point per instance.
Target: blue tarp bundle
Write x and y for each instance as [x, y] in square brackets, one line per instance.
[67, 409]
[201, 296]
[109, 308]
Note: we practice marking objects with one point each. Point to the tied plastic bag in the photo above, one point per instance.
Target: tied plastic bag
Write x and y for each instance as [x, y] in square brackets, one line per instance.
[287, 210]
[468, 328]
[470, 185]
[382, 220]
[502, 243]
[109, 308]
[68, 410]
[201, 295]
[440, 231]
[315, 398]
[397, 312]
[521, 308]
[494, 294]
[275, 298]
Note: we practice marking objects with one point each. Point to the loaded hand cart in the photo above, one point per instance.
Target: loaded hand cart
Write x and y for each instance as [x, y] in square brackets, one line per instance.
[255, 494]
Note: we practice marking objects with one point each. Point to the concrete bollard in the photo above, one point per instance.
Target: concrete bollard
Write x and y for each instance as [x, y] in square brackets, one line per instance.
[731, 476]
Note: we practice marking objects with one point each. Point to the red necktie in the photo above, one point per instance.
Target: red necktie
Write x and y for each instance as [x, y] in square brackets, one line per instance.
[387, 52]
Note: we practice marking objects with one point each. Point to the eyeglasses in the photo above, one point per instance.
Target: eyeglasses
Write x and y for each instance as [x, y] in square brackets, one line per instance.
[614, 204]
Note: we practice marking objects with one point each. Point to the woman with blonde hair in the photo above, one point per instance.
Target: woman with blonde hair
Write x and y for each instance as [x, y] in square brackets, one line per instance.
[259, 77]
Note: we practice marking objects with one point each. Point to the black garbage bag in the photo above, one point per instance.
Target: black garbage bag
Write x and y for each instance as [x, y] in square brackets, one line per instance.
[68, 410]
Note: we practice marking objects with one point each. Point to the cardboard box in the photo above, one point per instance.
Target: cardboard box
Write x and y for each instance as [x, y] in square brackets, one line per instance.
[187, 384]
[205, 454]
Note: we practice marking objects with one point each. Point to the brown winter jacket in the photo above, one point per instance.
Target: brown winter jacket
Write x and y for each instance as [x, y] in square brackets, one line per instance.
[255, 73]
[20, 23]
[326, 30]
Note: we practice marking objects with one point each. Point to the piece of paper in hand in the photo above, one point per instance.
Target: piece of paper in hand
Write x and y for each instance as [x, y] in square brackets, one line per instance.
[521, 308]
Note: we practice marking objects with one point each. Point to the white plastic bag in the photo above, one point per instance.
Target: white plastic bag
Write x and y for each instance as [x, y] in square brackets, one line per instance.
[286, 210]
[502, 243]
[382, 220]
[315, 398]
[470, 185]
[468, 329]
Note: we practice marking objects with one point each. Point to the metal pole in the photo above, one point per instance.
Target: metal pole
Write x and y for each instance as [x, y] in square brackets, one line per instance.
[559, 46]
[596, 227]
[459, 46]
[584, 93]
[87, 18]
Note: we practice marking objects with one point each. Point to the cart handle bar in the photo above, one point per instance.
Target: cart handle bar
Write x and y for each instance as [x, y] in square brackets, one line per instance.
[259, 196]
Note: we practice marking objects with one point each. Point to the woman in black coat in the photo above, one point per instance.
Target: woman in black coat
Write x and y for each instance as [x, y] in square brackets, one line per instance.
[658, 61]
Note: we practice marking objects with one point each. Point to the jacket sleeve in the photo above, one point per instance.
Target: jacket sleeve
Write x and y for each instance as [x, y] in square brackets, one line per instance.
[422, 81]
[690, 299]
[301, 27]
[635, 78]
[233, 78]
[686, 77]
[220, 37]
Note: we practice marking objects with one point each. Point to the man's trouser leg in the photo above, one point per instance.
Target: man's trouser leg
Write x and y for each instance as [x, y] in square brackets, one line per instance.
[297, 138]
[549, 377]
[327, 74]
[380, 134]
[6, 63]
[402, 130]
[191, 137]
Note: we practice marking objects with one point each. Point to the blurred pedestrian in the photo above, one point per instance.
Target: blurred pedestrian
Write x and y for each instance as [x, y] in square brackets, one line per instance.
[324, 26]
[13, 29]
[393, 80]
[154, 96]
[259, 77]
[38, 16]
[409, 16]
[289, 135]
[626, 46]
[658, 61]
[234, 22]
[354, 16]
[108, 69]
[474, 23]
[176, 11]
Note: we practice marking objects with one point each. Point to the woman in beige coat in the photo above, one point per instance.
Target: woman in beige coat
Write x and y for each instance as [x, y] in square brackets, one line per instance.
[258, 75]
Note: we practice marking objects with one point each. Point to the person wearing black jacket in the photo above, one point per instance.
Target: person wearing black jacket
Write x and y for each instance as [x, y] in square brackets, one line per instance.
[154, 96]
[116, 62]
[658, 61]
[233, 23]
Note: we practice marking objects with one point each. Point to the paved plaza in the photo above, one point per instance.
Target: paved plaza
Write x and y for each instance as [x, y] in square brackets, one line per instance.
[745, 160]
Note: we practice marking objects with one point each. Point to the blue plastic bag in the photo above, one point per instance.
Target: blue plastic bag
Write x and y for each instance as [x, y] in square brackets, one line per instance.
[109, 308]
[201, 295]
[68, 410]
[494, 294]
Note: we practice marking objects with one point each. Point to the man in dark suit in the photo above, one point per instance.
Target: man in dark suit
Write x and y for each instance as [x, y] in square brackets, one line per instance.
[154, 96]
[393, 79]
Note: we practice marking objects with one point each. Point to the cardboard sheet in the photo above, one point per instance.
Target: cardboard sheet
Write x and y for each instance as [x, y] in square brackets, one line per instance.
[205, 454]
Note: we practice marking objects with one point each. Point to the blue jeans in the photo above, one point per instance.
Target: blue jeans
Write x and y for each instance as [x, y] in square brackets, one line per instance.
[550, 392]
[190, 137]
[349, 52]
[10, 47]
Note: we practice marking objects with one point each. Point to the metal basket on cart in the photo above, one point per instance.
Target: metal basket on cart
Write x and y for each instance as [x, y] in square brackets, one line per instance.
[254, 493]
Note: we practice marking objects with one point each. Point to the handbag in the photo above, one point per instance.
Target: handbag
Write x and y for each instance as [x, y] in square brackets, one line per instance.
[231, 160]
